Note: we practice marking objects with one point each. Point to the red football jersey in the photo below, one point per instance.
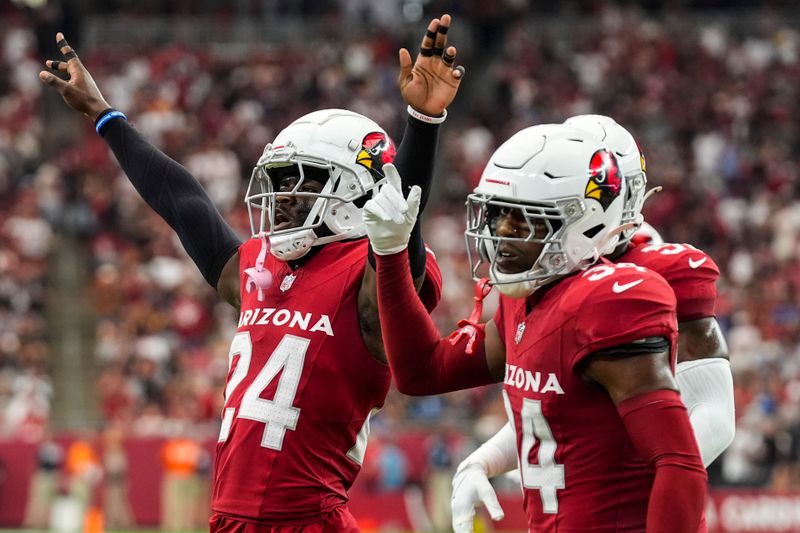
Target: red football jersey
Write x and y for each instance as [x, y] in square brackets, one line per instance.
[580, 471]
[301, 388]
[690, 272]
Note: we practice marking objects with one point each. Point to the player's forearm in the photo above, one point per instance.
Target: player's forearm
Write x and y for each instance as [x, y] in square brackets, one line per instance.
[414, 161]
[421, 361]
[416, 156]
[497, 455]
[172, 192]
[658, 426]
[706, 387]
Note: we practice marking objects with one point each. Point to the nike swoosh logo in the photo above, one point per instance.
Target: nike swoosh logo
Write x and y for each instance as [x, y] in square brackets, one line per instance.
[617, 288]
[698, 263]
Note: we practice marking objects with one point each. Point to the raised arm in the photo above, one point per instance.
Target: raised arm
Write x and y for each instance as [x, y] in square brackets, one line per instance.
[428, 86]
[422, 362]
[167, 187]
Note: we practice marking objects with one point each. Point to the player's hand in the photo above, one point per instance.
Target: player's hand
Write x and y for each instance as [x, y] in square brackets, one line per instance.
[471, 488]
[389, 217]
[80, 92]
[431, 83]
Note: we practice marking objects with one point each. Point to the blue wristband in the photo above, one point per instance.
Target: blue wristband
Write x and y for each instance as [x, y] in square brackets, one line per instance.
[103, 120]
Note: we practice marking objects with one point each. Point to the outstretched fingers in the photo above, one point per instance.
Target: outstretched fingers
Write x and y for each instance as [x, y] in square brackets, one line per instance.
[53, 81]
[60, 66]
[66, 49]
[406, 66]
[440, 40]
[68, 66]
[426, 47]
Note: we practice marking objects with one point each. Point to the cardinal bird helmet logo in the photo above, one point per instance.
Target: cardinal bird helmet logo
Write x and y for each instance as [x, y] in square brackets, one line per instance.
[377, 149]
[605, 178]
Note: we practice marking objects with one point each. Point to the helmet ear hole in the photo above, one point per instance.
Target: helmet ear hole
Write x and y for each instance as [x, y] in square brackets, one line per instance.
[594, 230]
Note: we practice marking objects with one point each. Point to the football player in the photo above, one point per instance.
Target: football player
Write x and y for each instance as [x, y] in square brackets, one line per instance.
[586, 349]
[703, 372]
[307, 366]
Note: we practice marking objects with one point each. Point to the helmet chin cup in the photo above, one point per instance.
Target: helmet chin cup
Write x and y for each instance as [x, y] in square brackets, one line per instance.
[293, 245]
[519, 289]
[513, 285]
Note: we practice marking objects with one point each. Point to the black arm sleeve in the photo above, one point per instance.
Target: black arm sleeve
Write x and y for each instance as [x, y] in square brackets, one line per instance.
[414, 161]
[177, 197]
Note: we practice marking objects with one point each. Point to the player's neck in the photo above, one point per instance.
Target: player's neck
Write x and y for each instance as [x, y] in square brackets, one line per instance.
[618, 252]
[294, 264]
[537, 296]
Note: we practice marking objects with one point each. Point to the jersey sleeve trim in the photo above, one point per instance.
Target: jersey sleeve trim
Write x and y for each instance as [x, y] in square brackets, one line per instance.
[640, 346]
[653, 330]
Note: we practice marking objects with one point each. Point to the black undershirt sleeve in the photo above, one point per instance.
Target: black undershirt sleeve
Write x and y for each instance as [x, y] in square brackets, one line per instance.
[414, 161]
[172, 192]
[641, 347]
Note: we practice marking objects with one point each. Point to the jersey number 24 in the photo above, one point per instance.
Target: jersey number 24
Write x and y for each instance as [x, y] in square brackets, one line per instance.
[278, 414]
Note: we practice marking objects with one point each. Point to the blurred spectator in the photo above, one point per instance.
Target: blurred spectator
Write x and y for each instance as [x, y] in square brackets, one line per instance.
[182, 494]
[84, 472]
[438, 480]
[44, 484]
[116, 507]
[393, 465]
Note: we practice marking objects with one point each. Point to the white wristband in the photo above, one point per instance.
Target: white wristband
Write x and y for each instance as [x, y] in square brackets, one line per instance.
[425, 118]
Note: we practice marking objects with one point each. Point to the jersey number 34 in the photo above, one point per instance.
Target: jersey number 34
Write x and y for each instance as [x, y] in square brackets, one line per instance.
[548, 476]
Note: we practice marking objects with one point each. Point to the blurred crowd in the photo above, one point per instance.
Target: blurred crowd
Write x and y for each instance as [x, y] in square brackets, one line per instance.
[715, 109]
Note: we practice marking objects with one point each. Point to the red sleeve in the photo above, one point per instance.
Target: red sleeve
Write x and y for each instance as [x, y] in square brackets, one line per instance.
[621, 307]
[693, 276]
[431, 291]
[658, 425]
[690, 272]
[422, 362]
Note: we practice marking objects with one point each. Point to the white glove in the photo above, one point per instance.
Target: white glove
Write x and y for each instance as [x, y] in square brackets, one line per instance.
[389, 217]
[471, 487]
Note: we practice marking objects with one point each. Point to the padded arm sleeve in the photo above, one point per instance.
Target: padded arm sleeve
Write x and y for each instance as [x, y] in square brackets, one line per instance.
[422, 362]
[172, 192]
[706, 387]
[658, 425]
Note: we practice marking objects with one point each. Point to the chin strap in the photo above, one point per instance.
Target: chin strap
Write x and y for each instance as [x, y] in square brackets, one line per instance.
[601, 246]
[469, 327]
[258, 276]
[652, 192]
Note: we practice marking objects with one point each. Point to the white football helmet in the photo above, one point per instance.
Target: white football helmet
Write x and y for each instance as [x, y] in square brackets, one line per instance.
[353, 150]
[556, 174]
[631, 162]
